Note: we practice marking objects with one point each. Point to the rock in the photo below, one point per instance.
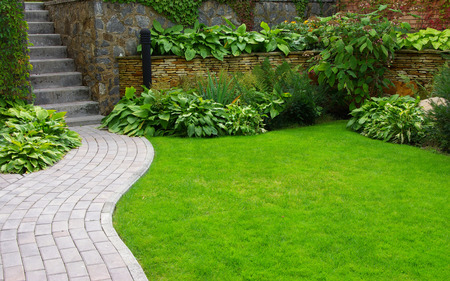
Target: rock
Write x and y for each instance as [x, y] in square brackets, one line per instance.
[115, 26]
[427, 104]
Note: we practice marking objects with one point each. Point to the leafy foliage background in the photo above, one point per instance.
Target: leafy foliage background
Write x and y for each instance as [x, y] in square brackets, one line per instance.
[14, 60]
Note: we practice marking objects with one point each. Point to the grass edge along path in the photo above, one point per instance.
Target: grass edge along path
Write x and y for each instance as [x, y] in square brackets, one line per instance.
[311, 203]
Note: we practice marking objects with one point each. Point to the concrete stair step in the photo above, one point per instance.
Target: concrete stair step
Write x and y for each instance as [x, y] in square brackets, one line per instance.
[56, 84]
[47, 52]
[52, 65]
[40, 28]
[45, 39]
[30, 6]
[36, 15]
[84, 120]
[61, 95]
[75, 109]
[55, 80]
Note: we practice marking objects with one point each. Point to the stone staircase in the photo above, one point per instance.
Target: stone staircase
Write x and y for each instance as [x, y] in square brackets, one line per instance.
[55, 81]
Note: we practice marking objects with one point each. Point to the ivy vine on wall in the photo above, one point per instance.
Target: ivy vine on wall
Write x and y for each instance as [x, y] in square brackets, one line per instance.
[185, 12]
[243, 9]
[300, 6]
[14, 60]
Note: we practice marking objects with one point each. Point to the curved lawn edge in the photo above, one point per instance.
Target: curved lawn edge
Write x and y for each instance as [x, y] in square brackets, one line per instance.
[173, 172]
[108, 209]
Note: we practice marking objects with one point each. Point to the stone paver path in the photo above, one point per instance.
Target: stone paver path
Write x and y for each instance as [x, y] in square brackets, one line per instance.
[56, 224]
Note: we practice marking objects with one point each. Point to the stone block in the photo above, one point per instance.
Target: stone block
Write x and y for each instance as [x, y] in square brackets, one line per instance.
[115, 26]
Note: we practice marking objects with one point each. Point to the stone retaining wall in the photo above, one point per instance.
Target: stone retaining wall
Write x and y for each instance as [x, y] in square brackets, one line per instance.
[168, 71]
[96, 33]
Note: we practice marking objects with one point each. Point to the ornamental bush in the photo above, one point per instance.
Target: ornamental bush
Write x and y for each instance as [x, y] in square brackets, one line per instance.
[176, 112]
[32, 138]
[393, 119]
[14, 61]
[357, 52]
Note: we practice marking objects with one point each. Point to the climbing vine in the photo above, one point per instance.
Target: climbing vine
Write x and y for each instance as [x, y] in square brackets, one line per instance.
[427, 13]
[14, 61]
[300, 6]
[243, 9]
[185, 12]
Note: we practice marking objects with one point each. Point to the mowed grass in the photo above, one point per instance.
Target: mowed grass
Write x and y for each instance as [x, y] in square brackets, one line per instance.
[311, 203]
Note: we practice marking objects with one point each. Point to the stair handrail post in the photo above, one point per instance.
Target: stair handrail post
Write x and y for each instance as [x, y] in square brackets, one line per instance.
[146, 57]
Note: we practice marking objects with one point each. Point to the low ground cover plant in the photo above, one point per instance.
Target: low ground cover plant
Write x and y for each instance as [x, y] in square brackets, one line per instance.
[311, 203]
[179, 113]
[32, 138]
[221, 104]
[394, 119]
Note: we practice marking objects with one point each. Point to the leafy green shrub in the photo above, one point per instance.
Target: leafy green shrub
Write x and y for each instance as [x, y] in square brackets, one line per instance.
[32, 138]
[332, 101]
[394, 119]
[301, 107]
[425, 39]
[440, 114]
[171, 112]
[218, 41]
[358, 49]
[244, 120]
[14, 61]
[184, 113]
[196, 116]
[146, 114]
[288, 96]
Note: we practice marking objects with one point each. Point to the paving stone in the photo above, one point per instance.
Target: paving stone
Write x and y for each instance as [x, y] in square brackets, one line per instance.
[121, 273]
[28, 250]
[92, 257]
[56, 224]
[45, 240]
[76, 269]
[33, 263]
[57, 277]
[50, 252]
[8, 247]
[54, 266]
[37, 275]
[15, 273]
[114, 260]
[98, 272]
[12, 259]
[71, 255]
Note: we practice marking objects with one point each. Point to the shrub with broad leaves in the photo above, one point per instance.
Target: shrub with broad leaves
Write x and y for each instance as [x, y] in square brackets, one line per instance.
[32, 138]
[393, 119]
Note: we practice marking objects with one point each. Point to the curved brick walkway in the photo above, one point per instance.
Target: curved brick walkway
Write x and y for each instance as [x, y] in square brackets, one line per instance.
[56, 224]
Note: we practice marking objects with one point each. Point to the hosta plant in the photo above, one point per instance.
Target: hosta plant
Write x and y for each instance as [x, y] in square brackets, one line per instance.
[170, 112]
[32, 138]
[425, 39]
[244, 120]
[393, 119]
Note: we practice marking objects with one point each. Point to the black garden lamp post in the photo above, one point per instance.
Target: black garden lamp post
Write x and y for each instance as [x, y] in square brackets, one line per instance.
[146, 57]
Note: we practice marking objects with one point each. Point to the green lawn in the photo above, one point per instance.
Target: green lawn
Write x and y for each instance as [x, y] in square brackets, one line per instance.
[312, 203]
